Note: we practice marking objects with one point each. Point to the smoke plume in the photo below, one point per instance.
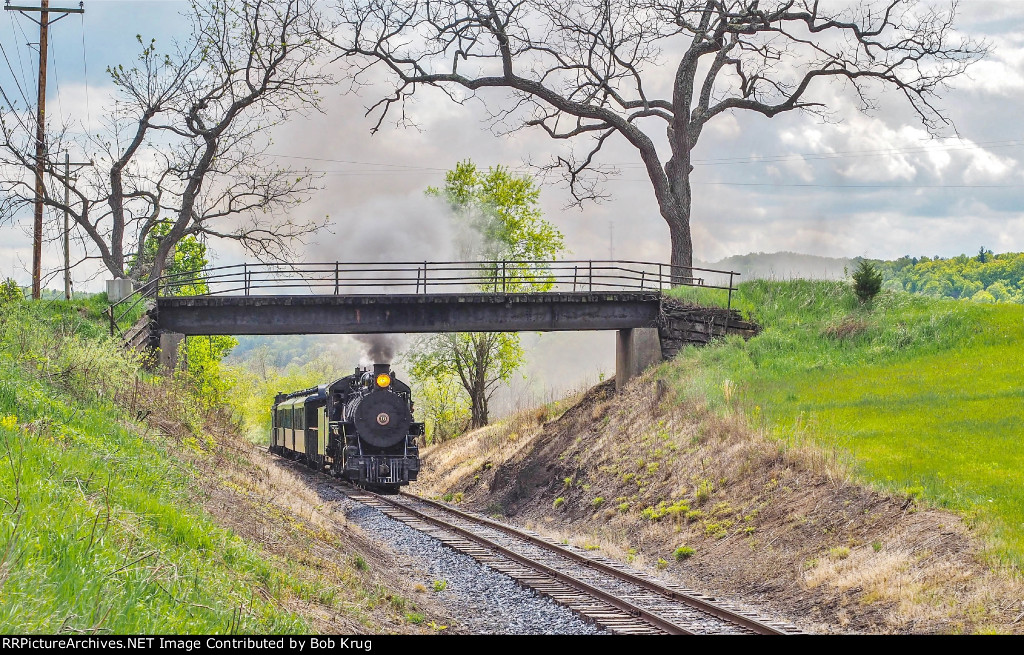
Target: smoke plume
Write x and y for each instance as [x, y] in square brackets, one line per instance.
[380, 348]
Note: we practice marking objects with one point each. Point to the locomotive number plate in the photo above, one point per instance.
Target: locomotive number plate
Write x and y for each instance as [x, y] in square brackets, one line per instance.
[383, 419]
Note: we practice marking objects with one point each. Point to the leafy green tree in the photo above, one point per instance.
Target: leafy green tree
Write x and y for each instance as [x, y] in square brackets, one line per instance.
[208, 381]
[517, 245]
[867, 281]
[183, 265]
[503, 211]
[443, 408]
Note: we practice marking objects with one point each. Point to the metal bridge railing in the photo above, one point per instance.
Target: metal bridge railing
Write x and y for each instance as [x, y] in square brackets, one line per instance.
[347, 278]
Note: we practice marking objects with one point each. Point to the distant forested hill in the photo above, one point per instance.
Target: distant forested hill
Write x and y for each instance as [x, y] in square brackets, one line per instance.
[984, 277]
[783, 266]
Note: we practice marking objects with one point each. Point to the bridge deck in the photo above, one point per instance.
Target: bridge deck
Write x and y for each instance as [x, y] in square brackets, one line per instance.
[391, 313]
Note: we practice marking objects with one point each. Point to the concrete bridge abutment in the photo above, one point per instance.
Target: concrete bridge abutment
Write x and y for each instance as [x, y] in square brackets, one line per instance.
[679, 325]
[636, 350]
[169, 344]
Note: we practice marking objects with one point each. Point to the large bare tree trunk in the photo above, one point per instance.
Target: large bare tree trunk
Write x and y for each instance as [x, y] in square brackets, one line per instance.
[682, 248]
[676, 204]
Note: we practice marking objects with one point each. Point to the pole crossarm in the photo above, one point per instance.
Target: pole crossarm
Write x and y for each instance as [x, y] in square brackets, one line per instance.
[63, 11]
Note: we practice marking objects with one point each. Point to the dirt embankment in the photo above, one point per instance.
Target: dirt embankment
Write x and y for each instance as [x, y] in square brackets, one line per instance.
[717, 506]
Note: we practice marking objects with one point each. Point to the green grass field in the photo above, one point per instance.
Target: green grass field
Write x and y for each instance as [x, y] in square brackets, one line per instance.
[925, 394]
[100, 529]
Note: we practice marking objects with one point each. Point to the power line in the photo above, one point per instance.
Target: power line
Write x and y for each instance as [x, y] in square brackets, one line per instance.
[704, 162]
[370, 173]
[863, 186]
[361, 163]
[85, 75]
[21, 62]
[14, 75]
[56, 80]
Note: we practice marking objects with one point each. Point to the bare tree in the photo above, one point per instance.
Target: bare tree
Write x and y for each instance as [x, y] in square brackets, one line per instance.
[186, 142]
[597, 69]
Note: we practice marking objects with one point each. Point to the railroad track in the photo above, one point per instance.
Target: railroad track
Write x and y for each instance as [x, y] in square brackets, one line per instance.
[623, 600]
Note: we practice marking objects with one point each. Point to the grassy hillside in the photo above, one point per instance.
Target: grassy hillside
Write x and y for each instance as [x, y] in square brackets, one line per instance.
[739, 469]
[923, 393]
[100, 527]
[114, 490]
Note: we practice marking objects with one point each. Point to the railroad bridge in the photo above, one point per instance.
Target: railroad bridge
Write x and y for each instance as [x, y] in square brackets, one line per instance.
[417, 297]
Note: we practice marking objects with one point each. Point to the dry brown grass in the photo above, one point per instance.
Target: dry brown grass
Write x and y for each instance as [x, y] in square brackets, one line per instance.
[849, 326]
[780, 525]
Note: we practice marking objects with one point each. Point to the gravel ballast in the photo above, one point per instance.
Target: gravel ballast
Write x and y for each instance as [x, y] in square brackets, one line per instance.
[486, 601]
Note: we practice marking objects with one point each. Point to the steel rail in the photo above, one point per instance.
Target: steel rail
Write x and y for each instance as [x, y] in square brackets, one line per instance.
[703, 605]
[611, 599]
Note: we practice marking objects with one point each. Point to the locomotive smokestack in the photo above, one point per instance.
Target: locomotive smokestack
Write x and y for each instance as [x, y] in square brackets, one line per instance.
[379, 369]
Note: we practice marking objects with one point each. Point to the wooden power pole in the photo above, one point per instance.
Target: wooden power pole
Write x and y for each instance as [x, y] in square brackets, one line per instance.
[44, 22]
[67, 226]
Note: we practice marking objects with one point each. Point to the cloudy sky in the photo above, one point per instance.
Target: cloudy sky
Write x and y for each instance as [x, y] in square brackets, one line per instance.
[874, 186]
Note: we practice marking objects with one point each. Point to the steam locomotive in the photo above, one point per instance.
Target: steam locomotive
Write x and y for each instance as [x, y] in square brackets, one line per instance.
[359, 428]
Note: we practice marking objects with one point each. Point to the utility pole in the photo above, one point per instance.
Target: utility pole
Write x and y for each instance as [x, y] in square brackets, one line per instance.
[37, 229]
[67, 226]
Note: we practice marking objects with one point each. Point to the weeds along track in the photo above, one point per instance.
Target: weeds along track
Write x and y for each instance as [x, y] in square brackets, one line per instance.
[622, 600]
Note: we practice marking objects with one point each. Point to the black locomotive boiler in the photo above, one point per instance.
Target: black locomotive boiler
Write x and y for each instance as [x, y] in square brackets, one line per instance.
[359, 428]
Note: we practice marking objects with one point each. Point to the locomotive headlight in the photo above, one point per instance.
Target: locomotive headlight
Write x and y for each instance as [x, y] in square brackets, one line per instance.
[383, 380]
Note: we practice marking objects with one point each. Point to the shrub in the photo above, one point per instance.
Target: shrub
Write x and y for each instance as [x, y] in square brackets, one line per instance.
[839, 552]
[867, 281]
[10, 292]
[683, 552]
[674, 510]
[558, 502]
[597, 502]
[440, 585]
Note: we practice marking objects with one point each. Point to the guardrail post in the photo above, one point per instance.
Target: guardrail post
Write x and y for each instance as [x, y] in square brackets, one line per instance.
[590, 274]
[661, 278]
[503, 284]
[643, 276]
[729, 304]
[110, 311]
[245, 277]
[336, 266]
[424, 277]
[575, 270]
